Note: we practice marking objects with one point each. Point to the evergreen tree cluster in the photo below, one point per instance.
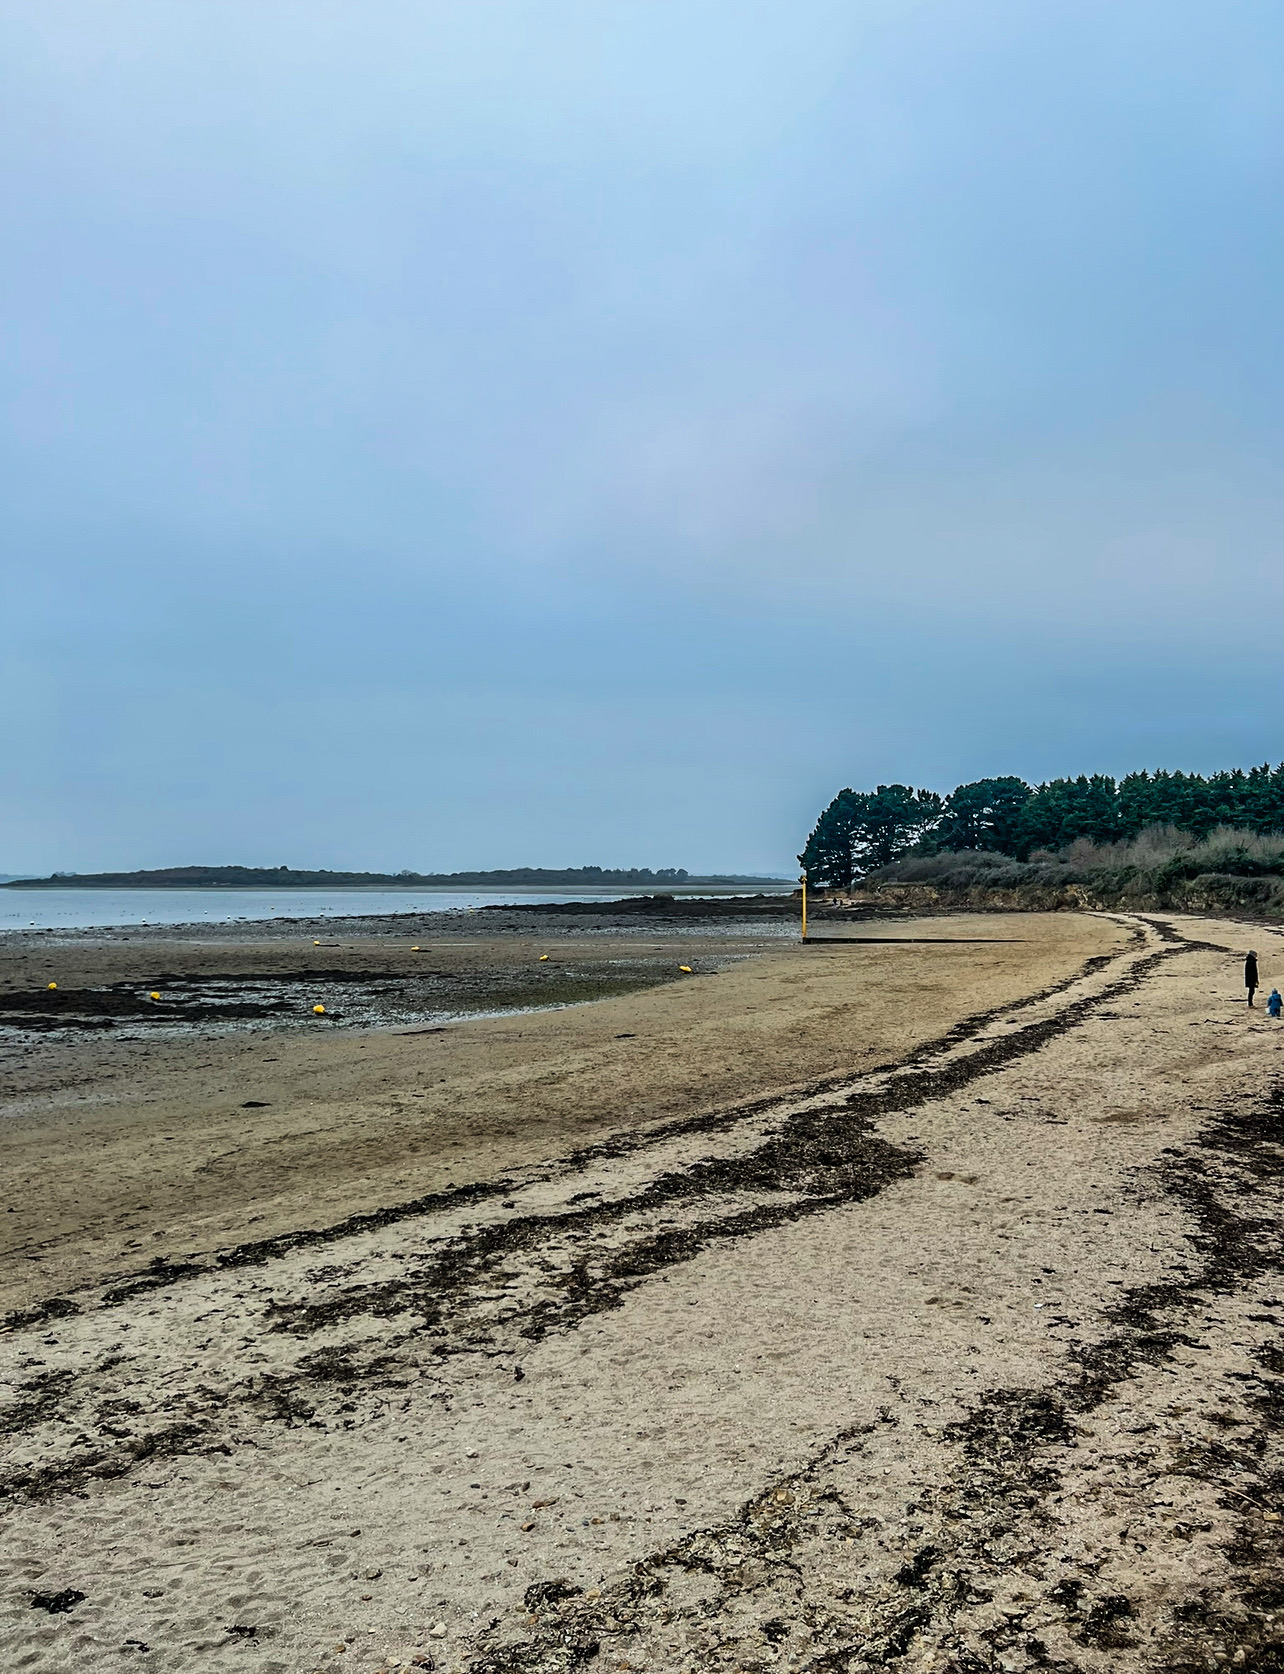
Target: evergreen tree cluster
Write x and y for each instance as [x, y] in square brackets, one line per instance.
[860, 830]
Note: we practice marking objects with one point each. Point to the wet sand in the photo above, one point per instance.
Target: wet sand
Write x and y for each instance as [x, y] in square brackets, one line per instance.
[905, 1304]
[120, 1148]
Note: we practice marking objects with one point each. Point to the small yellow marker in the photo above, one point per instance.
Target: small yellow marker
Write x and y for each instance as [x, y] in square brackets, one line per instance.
[415, 949]
[542, 958]
[318, 1010]
[153, 995]
[53, 985]
[685, 968]
[316, 944]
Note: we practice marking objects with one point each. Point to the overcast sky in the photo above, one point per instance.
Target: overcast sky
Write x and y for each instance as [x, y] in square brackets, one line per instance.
[490, 433]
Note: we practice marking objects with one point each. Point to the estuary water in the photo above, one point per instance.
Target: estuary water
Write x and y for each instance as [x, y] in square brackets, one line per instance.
[100, 909]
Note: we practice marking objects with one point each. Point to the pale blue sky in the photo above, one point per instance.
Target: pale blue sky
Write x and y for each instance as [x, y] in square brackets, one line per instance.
[495, 434]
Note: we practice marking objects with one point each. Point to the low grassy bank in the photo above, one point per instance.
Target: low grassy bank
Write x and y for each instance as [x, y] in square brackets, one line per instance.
[1229, 871]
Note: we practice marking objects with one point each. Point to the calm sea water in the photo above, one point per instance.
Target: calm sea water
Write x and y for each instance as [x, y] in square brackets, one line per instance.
[94, 909]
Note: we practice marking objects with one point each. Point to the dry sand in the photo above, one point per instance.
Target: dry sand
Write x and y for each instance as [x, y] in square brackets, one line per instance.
[909, 1305]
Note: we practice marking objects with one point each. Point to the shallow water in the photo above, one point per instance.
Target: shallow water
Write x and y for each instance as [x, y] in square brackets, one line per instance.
[94, 909]
[252, 1003]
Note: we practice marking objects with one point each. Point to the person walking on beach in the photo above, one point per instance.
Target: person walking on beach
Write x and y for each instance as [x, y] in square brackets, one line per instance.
[1250, 975]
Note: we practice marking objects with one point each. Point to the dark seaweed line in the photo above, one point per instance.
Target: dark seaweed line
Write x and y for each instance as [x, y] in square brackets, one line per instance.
[162, 1273]
[629, 1143]
[284, 1394]
[807, 1145]
[906, 1091]
[857, 1166]
[768, 1526]
[1001, 1481]
[716, 1121]
[794, 1158]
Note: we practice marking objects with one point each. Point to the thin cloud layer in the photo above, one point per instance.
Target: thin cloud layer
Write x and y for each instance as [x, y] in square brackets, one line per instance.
[450, 436]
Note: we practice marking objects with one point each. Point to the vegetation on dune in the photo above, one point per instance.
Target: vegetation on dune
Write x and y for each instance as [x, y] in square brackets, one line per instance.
[1166, 839]
[1227, 871]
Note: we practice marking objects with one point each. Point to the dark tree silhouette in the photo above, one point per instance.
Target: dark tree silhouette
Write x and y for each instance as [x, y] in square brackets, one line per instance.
[984, 815]
[862, 829]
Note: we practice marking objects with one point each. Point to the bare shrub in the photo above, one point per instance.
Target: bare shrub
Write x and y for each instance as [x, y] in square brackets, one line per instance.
[1161, 867]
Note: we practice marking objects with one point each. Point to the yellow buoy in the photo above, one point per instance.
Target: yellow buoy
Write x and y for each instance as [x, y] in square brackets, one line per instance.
[318, 1010]
[153, 995]
[53, 985]
[316, 944]
[685, 968]
[542, 958]
[415, 949]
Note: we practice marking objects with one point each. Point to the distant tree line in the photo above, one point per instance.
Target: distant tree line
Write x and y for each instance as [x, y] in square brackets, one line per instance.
[286, 877]
[860, 830]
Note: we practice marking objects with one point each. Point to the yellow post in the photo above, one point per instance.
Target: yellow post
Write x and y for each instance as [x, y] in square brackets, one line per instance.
[803, 881]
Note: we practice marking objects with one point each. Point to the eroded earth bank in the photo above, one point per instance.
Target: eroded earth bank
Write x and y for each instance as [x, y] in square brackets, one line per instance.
[908, 1304]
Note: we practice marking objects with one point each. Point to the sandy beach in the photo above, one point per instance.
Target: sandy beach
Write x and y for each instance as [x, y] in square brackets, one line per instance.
[905, 1300]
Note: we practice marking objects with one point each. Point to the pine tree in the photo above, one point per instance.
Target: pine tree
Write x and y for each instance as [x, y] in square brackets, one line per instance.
[984, 815]
[861, 830]
[864, 829]
[829, 858]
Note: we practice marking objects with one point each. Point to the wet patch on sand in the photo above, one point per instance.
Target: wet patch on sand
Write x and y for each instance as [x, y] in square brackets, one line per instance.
[169, 1001]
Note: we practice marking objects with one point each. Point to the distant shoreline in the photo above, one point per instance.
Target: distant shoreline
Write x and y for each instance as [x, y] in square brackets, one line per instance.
[692, 886]
[255, 878]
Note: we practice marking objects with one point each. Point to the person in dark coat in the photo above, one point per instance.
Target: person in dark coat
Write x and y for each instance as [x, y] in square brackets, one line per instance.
[1250, 975]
